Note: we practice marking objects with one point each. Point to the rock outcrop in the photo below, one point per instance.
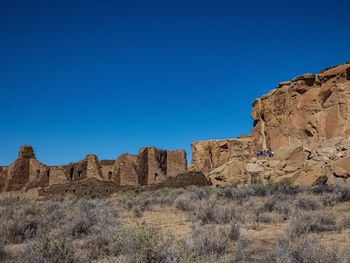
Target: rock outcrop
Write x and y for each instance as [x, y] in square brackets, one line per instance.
[305, 121]
[308, 110]
[291, 165]
[208, 155]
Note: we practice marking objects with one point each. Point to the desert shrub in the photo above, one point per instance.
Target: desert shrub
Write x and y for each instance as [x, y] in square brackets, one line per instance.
[314, 222]
[345, 193]
[243, 250]
[80, 227]
[53, 214]
[204, 211]
[209, 240]
[103, 244]
[334, 194]
[183, 203]
[303, 249]
[81, 218]
[209, 211]
[263, 218]
[20, 227]
[225, 214]
[307, 203]
[139, 244]
[280, 203]
[12, 201]
[330, 199]
[224, 193]
[199, 193]
[149, 244]
[346, 221]
[110, 240]
[260, 190]
[47, 248]
[146, 200]
[2, 250]
[241, 195]
[234, 231]
[137, 211]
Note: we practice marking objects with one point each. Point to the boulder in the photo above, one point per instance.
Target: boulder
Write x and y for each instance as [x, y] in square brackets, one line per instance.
[230, 173]
[253, 168]
[341, 168]
[208, 155]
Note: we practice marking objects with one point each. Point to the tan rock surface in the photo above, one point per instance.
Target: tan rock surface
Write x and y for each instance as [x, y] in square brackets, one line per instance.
[305, 122]
[208, 155]
[308, 110]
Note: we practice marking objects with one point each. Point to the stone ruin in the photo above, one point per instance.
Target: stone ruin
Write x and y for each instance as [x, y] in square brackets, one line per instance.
[305, 121]
[150, 168]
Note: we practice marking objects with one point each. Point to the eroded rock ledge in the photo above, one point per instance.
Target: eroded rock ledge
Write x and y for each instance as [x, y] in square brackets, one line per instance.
[305, 121]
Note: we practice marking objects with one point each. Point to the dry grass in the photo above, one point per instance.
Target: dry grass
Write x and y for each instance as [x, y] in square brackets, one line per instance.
[248, 224]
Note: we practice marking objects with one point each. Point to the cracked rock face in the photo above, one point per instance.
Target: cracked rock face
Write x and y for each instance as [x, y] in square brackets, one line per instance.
[290, 166]
[308, 110]
[305, 121]
[208, 155]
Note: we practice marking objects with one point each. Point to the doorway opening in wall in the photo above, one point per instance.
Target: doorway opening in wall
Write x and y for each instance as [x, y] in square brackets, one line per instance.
[71, 173]
[155, 176]
[109, 175]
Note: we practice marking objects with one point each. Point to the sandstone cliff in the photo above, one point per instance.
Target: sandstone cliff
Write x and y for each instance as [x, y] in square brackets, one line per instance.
[305, 121]
[307, 110]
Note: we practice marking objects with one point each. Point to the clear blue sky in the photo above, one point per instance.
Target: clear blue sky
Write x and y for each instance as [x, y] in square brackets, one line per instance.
[109, 77]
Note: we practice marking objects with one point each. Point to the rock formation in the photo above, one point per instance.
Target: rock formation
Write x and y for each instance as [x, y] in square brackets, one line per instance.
[208, 155]
[308, 110]
[305, 121]
[291, 165]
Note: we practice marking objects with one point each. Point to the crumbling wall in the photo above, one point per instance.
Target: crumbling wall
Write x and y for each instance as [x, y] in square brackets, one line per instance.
[93, 168]
[150, 166]
[75, 171]
[19, 171]
[176, 162]
[3, 177]
[107, 168]
[57, 175]
[126, 170]
[89, 187]
[157, 165]
[38, 175]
